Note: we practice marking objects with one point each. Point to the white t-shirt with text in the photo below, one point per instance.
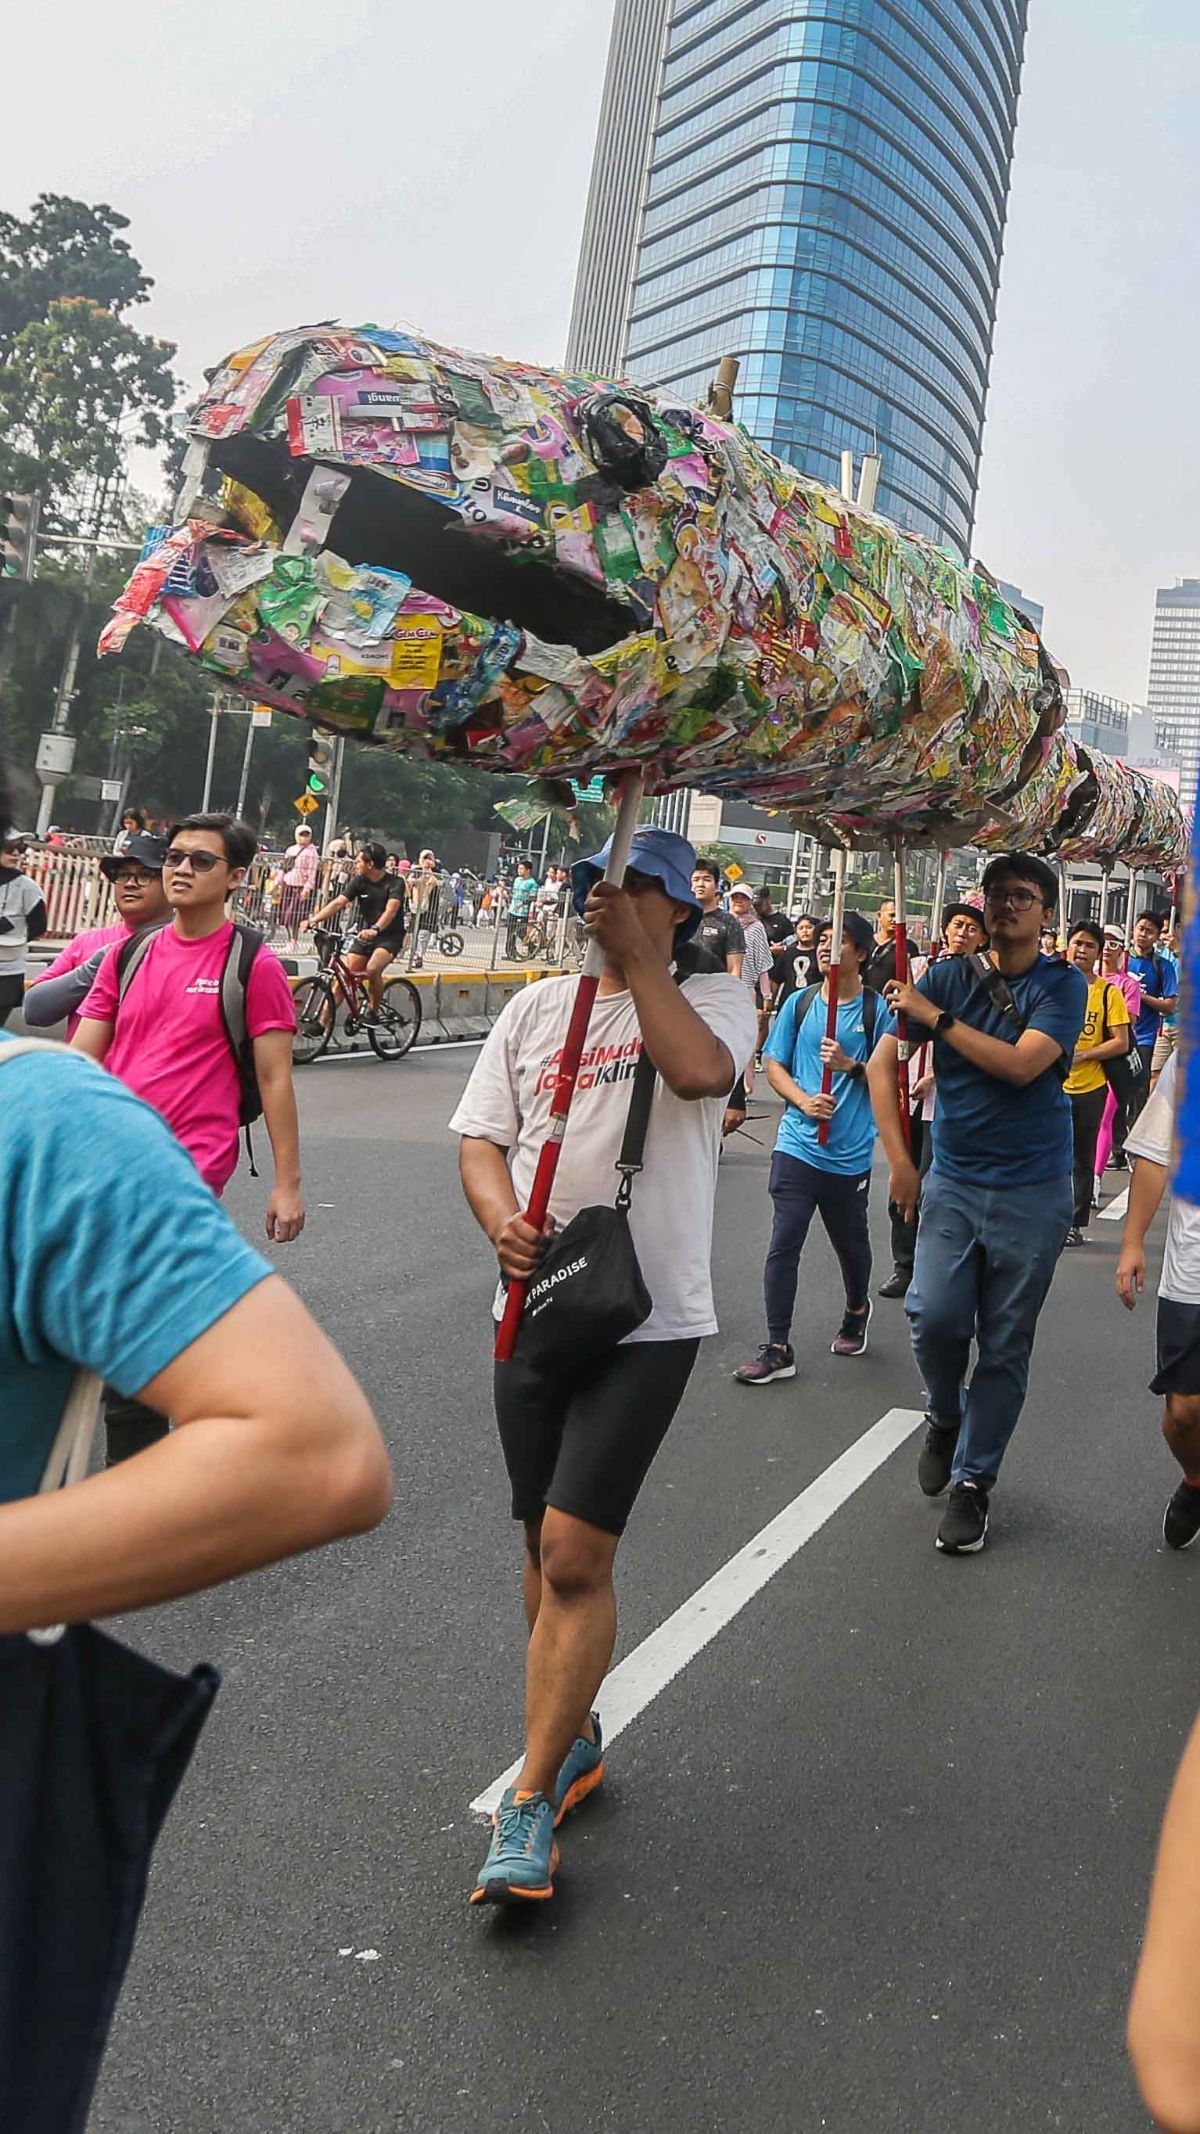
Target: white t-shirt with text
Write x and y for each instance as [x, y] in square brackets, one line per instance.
[1151, 1137]
[507, 1100]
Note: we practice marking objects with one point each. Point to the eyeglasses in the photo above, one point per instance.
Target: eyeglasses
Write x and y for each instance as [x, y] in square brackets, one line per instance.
[203, 862]
[135, 878]
[1020, 899]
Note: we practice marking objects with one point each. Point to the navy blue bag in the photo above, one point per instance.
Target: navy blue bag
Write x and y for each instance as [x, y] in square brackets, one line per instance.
[94, 1740]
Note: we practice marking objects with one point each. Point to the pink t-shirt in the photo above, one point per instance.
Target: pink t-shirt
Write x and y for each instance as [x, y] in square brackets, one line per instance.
[77, 952]
[169, 1045]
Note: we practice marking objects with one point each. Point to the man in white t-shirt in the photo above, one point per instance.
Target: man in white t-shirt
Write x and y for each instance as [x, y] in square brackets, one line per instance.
[579, 1441]
[1178, 1375]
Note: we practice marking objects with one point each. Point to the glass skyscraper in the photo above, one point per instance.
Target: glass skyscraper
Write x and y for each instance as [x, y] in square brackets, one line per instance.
[820, 188]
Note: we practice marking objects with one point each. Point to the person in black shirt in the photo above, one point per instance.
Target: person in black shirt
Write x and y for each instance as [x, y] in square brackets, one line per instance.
[378, 900]
[881, 970]
[719, 932]
[780, 931]
[797, 965]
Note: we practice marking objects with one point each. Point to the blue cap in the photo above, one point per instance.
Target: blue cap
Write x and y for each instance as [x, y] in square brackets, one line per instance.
[661, 853]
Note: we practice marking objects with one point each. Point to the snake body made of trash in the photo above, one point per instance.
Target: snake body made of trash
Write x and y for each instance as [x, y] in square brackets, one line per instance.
[487, 563]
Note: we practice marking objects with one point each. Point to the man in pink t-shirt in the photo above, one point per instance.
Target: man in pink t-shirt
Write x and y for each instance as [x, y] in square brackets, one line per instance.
[136, 875]
[166, 1039]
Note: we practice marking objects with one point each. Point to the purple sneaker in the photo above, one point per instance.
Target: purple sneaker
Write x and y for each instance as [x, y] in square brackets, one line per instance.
[774, 1360]
[851, 1338]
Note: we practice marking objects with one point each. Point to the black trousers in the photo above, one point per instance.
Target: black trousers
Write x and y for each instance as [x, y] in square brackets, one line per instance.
[799, 1192]
[1087, 1111]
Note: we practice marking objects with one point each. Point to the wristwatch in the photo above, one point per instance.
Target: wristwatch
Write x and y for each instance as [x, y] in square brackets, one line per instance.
[945, 1021]
[856, 1071]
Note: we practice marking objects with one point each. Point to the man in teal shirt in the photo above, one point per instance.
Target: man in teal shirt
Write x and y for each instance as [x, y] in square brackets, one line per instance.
[810, 1176]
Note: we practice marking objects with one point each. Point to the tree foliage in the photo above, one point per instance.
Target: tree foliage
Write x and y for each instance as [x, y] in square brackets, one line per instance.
[62, 249]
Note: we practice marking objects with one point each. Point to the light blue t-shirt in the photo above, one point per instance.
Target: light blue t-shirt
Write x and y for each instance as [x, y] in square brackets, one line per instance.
[851, 1142]
[114, 1256]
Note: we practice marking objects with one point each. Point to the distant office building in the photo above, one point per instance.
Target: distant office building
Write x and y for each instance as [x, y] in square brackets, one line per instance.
[1173, 694]
[1097, 721]
[818, 187]
[1031, 609]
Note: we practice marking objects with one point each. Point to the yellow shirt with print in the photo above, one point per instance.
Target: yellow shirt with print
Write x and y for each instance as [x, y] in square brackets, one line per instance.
[1089, 1074]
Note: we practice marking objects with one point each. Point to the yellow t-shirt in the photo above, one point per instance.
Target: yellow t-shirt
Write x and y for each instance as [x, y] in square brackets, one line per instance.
[1088, 1074]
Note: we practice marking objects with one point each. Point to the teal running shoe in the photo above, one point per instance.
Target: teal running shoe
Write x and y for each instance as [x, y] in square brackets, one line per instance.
[522, 1856]
[581, 1773]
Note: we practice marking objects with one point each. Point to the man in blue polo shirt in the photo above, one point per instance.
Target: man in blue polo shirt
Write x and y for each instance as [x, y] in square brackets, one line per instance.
[808, 1177]
[997, 1203]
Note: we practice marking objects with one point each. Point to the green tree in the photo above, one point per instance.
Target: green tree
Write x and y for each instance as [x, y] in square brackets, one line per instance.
[79, 388]
[64, 248]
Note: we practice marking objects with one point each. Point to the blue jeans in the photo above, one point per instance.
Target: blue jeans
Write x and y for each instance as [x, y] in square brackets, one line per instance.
[985, 1261]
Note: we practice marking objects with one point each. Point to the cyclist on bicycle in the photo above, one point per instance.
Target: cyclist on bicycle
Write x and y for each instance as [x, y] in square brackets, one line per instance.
[379, 916]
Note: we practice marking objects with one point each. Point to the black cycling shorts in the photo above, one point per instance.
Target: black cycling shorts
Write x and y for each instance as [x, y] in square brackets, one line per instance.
[582, 1440]
[1178, 1346]
[359, 947]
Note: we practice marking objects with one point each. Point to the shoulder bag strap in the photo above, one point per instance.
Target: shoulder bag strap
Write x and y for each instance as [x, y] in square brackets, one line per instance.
[637, 1120]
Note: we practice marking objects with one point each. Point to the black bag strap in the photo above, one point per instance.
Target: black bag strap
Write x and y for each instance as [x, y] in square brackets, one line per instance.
[870, 1002]
[637, 1119]
[132, 954]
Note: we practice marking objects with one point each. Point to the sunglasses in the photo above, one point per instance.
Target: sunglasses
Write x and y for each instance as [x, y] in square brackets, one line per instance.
[202, 862]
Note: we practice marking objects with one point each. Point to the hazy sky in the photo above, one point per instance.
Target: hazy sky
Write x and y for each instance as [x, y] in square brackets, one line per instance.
[363, 159]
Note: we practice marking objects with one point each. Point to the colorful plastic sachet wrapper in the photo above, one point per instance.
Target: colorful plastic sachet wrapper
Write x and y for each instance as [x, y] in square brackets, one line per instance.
[525, 570]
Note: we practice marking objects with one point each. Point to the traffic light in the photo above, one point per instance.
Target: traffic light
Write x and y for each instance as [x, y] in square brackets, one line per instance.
[18, 536]
[320, 766]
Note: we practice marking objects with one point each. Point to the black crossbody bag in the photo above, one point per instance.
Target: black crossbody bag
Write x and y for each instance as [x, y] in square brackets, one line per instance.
[588, 1292]
[1125, 1073]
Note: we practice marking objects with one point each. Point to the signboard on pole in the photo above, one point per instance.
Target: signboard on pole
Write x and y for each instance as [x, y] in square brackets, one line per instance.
[306, 805]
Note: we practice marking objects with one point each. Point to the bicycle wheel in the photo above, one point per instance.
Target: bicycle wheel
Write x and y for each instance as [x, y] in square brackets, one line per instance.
[316, 1007]
[450, 944]
[395, 1031]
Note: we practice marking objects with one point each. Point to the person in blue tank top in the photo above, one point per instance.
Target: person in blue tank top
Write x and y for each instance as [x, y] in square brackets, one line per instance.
[809, 1176]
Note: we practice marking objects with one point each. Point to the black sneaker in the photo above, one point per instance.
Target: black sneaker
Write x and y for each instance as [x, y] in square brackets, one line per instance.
[773, 1361]
[851, 1336]
[1118, 1161]
[897, 1283]
[1073, 1237]
[1181, 1520]
[965, 1520]
[937, 1456]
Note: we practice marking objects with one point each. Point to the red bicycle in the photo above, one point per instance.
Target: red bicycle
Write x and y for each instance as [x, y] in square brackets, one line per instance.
[390, 1033]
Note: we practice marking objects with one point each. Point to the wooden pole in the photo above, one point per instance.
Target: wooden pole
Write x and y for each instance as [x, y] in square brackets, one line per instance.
[720, 392]
[572, 1053]
[939, 898]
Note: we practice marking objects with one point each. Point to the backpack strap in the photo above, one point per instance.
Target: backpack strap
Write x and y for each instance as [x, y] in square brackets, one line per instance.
[133, 953]
[244, 945]
[804, 1002]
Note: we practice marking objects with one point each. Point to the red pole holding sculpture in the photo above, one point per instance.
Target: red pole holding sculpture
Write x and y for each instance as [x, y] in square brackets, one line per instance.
[903, 1047]
[837, 923]
[572, 1053]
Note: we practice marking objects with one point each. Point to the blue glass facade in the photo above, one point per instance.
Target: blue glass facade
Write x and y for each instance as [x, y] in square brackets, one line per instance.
[825, 196]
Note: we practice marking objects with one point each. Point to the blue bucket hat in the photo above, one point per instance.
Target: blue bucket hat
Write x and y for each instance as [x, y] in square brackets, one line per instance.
[661, 853]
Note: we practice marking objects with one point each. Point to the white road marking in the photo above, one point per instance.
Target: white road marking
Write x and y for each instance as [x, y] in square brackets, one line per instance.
[419, 1052]
[1115, 1211]
[639, 1677]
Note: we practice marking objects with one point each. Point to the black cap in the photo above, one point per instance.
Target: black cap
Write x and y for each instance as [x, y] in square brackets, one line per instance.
[145, 846]
[964, 911]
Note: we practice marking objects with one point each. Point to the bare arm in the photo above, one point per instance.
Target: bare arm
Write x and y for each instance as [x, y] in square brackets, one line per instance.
[484, 1172]
[273, 1067]
[275, 1451]
[1021, 1063]
[328, 911]
[1164, 2014]
[1146, 1189]
[883, 1081]
[813, 1104]
[94, 1038]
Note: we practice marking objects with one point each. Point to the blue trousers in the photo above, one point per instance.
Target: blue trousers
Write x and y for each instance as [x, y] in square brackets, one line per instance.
[985, 1261]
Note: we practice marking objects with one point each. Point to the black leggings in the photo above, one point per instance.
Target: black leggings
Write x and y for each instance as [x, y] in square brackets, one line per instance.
[799, 1191]
[1087, 1110]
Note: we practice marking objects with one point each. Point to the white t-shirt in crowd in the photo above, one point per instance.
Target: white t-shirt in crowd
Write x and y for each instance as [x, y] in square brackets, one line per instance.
[19, 896]
[1151, 1137]
[507, 1100]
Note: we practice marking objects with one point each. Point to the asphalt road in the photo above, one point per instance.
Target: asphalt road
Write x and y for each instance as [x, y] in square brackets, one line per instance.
[875, 1859]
